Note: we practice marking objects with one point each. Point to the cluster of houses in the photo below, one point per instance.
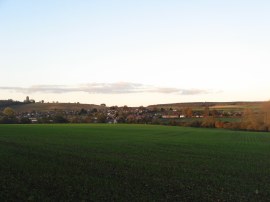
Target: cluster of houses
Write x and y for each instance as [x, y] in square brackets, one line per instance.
[114, 114]
[118, 115]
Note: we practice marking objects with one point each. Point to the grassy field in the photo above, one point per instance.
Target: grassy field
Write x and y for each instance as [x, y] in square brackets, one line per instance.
[189, 120]
[45, 107]
[225, 106]
[132, 163]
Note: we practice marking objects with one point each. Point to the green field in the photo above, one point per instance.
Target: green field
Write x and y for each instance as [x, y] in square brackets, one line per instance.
[132, 163]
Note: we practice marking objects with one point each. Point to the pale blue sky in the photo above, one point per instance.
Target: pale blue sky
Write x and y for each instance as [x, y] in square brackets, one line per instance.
[135, 52]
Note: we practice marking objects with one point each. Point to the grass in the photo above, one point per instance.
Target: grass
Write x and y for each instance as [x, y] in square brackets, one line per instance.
[132, 163]
[45, 107]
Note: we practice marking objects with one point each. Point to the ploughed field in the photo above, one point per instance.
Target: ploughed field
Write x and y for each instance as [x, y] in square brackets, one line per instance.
[101, 162]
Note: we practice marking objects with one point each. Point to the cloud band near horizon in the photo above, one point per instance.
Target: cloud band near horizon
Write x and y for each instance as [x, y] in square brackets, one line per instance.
[107, 88]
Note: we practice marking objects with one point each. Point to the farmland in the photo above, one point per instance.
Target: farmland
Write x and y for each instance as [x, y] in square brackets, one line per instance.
[103, 162]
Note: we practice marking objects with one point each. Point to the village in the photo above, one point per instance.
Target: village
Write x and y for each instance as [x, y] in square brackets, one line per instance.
[113, 114]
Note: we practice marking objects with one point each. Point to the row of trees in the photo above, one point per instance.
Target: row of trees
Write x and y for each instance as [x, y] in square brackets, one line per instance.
[251, 120]
[257, 119]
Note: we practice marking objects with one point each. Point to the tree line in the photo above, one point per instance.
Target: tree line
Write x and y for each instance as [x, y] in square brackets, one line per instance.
[257, 119]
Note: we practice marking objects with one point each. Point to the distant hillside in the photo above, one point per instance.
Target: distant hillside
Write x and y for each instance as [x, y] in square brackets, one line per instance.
[8, 103]
[212, 105]
[41, 107]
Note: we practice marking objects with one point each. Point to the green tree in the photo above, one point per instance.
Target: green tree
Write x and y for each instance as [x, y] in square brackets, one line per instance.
[101, 118]
[82, 112]
[59, 119]
[25, 120]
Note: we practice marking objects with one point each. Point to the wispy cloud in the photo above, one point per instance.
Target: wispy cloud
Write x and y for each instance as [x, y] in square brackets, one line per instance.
[107, 88]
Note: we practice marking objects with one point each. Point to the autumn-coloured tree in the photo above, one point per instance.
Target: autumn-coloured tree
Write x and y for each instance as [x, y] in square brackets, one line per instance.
[206, 112]
[188, 112]
[253, 120]
[266, 111]
[214, 113]
[219, 124]
[266, 115]
[247, 119]
[9, 116]
[8, 111]
[208, 122]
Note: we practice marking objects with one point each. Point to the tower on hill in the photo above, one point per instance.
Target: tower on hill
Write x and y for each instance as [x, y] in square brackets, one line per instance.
[27, 99]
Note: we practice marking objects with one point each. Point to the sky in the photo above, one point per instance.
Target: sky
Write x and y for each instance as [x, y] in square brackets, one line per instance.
[135, 53]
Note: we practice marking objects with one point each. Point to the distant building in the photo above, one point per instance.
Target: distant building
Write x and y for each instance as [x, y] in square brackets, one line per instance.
[33, 120]
[27, 100]
[170, 116]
